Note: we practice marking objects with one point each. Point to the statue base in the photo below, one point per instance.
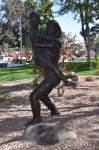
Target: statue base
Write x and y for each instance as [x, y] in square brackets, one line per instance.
[48, 133]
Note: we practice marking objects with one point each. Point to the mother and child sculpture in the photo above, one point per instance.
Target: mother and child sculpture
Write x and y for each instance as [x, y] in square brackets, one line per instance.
[46, 52]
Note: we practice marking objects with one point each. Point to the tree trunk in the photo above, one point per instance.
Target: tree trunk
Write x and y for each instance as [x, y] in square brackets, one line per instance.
[88, 43]
[88, 52]
[85, 34]
[97, 55]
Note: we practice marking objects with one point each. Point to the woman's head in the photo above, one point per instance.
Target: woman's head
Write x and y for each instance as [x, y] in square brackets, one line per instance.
[53, 28]
[34, 19]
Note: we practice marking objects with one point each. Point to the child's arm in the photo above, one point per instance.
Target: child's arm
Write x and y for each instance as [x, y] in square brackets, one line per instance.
[45, 37]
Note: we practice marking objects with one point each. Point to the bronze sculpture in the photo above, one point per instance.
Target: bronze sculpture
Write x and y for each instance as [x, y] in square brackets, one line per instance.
[46, 51]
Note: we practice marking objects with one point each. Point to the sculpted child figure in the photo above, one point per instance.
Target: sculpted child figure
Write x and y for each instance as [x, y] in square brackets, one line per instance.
[46, 52]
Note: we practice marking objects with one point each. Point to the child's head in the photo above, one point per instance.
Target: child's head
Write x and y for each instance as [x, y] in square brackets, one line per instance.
[53, 28]
[34, 19]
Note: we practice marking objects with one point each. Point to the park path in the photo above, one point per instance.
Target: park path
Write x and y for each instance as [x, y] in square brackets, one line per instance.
[79, 110]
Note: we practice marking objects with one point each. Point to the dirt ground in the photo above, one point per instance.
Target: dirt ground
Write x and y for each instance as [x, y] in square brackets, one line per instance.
[79, 110]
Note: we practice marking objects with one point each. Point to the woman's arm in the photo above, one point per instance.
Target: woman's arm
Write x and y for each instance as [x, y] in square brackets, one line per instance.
[46, 45]
[46, 37]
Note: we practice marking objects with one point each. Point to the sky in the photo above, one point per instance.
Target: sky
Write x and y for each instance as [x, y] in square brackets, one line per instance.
[68, 24]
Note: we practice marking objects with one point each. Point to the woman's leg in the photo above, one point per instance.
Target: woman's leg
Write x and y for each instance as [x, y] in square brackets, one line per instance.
[52, 81]
[50, 105]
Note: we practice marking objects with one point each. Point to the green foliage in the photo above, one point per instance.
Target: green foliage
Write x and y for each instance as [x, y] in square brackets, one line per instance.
[45, 11]
[29, 5]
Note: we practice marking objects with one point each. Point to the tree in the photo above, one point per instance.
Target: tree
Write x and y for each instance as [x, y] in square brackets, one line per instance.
[45, 11]
[86, 12]
[16, 11]
[11, 11]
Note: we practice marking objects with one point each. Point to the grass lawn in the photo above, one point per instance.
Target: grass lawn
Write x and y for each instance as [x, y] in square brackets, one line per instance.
[82, 68]
[25, 72]
[17, 73]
